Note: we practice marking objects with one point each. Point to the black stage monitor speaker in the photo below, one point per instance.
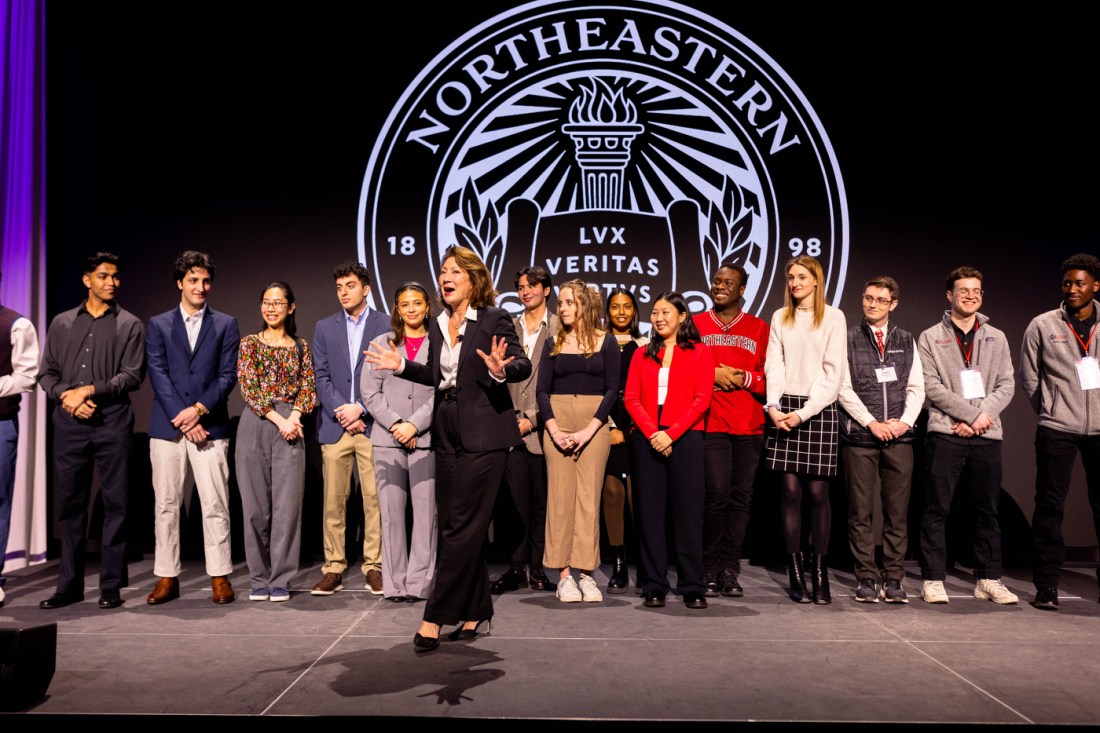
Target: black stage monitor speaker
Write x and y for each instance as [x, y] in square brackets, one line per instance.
[28, 656]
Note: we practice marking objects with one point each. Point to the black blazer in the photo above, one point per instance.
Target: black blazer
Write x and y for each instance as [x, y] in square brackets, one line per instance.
[487, 419]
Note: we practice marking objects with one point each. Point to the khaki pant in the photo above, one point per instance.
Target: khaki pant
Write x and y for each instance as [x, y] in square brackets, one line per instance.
[337, 462]
[574, 483]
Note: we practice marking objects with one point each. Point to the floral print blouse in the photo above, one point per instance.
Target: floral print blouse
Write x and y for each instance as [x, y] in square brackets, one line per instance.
[274, 373]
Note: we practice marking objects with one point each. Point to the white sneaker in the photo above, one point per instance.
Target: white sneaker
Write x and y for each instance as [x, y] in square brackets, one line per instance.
[932, 591]
[568, 592]
[989, 589]
[589, 590]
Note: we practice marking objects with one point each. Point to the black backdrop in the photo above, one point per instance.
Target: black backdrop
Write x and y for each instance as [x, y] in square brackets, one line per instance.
[964, 136]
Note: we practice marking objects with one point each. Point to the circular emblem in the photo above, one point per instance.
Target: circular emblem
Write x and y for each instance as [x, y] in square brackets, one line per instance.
[631, 144]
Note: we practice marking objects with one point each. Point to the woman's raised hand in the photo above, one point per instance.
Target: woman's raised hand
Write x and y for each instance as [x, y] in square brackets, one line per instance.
[382, 358]
[495, 359]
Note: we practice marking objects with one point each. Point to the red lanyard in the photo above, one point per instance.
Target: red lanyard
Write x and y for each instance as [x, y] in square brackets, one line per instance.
[965, 354]
[1084, 344]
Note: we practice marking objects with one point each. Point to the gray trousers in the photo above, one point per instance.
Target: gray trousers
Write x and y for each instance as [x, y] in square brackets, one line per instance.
[400, 475]
[271, 475]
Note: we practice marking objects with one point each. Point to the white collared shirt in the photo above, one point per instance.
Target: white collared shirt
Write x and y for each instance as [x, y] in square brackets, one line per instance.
[530, 337]
[193, 324]
[448, 355]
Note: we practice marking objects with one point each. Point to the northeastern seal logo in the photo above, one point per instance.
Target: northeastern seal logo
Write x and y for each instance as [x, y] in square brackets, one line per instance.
[627, 144]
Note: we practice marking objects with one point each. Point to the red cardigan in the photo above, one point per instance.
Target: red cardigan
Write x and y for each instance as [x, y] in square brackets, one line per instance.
[690, 386]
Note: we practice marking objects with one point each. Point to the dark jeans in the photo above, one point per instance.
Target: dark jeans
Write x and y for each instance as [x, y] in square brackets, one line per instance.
[525, 474]
[729, 467]
[945, 460]
[670, 486]
[1055, 454]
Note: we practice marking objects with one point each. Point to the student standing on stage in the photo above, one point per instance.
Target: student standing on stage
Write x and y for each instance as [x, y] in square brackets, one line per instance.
[1060, 376]
[880, 398]
[804, 367]
[578, 382]
[191, 352]
[968, 381]
[94, 359]
[734, 439]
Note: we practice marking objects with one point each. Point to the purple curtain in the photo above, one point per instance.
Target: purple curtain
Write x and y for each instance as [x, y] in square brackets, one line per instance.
[23, 226]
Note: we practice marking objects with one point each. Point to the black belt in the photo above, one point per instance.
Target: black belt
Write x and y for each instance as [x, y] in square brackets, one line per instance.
[448, 395]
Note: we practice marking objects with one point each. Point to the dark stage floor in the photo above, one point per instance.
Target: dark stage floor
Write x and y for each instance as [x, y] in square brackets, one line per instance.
[759, 658]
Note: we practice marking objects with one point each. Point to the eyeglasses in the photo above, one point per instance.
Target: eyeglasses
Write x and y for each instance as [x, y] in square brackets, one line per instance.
[273, 304]
[976, 292]
[882, 302]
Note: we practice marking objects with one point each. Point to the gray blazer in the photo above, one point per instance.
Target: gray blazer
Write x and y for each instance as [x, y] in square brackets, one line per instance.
[389, 398]
[523, 393]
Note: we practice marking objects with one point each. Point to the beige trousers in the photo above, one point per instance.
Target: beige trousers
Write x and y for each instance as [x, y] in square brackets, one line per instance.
[337, 462]
[574, 483]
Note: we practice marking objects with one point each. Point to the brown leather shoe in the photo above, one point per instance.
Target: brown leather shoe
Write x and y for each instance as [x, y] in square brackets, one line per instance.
[327, 585]
[374, 582]
[166, 589]
[222, 590]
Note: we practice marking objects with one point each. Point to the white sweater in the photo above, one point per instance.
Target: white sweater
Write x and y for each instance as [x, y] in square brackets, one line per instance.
[806, 361]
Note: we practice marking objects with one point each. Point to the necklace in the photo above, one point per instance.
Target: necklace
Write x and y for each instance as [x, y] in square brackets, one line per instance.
[804, 308]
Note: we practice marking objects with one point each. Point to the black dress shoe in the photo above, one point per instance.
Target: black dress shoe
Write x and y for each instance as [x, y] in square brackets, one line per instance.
[59, 601]
[397, 599]
[711, 581]
[109, 599]
[413, 599]
[728, 585]
[655, 599]
[1046, 598]
[539, 581]
[423, 644]
[513, 579]
[695, 599]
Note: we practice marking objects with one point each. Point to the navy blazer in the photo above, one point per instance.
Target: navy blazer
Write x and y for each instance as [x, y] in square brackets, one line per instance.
[331, 365]
[180, 377]
[487, 418]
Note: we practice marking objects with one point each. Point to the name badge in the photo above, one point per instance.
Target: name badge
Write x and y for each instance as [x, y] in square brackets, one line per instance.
[886, 374]
[972, 386]
[1088, 372]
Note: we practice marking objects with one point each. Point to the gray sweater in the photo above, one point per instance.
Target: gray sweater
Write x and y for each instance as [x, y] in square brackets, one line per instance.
[1048, 376]
[942, 362]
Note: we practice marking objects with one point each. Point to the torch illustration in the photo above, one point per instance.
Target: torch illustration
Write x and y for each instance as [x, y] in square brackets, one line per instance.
[602, 125]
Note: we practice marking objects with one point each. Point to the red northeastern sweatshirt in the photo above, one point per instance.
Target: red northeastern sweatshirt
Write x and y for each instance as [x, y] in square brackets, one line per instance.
[742, 343]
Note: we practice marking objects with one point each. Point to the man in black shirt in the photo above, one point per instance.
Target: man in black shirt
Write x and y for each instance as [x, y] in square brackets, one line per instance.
[94, 358]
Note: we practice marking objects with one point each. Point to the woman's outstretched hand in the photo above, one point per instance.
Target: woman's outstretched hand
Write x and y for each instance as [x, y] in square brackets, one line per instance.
[495, 359]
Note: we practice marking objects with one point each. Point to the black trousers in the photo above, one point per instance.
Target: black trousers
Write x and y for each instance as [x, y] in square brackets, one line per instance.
[1055, 454]
[525, 474]
[466, 485]
[729, 466]
[79, 446]
[670, 486]
[945, 460]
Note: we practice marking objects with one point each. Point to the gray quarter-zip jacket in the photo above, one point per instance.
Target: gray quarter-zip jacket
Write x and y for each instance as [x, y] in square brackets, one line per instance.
[1048, 375]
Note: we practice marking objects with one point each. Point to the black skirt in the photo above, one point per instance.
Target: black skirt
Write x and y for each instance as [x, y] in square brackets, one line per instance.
[809, 449]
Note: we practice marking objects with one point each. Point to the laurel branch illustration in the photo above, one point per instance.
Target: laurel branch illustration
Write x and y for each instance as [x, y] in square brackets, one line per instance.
[729, 227]
[481, 231]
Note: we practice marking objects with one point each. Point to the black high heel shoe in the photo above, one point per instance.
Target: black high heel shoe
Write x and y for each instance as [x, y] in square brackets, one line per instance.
[423, 644]
[461, 634]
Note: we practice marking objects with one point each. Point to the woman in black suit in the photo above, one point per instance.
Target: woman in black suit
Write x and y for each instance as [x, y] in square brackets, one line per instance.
[473, 427]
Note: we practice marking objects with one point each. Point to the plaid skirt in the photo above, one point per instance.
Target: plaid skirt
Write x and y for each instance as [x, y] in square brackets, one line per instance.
[809, 449]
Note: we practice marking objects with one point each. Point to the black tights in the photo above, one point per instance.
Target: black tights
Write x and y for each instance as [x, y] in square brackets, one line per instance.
[790, 509]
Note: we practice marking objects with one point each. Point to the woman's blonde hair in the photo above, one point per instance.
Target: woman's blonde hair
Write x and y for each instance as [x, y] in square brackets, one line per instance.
[482, 293]
[790, 308]
[589, 306]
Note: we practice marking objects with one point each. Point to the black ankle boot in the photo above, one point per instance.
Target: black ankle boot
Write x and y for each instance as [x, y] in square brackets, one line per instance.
[619, 578]
[798, 590]
[819, 576]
